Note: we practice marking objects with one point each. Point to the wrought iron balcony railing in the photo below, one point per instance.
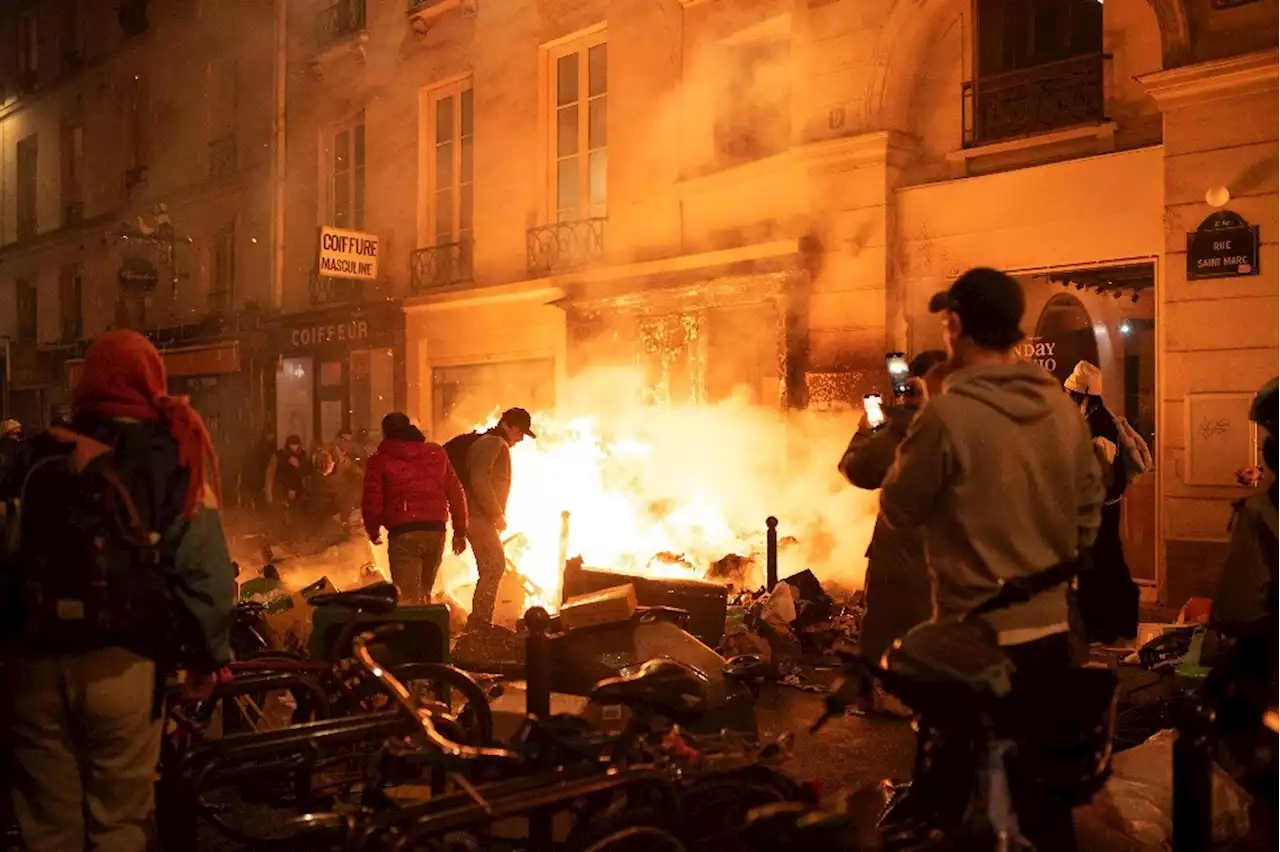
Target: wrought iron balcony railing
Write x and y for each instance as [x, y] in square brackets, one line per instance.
[440, 266]
[341, 19]
[335, 291]
[222, 157]
[565, 245]
[1033, 100]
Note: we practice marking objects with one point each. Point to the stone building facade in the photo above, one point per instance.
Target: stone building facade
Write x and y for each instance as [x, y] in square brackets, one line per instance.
[134, 191]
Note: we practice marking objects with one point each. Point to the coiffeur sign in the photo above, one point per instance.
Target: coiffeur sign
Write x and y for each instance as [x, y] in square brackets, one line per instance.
[348, 254]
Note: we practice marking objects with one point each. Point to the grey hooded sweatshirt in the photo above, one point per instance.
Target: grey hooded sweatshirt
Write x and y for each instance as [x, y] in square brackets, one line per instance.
[1000, 472]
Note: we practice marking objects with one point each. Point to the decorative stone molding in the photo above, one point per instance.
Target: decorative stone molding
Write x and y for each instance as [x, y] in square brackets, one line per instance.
[1251, 73]
[355, 45]
[881, 147]
[426, 12]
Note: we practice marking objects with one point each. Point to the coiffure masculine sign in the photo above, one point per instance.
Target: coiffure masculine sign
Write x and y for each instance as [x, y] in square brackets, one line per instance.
[347, 254]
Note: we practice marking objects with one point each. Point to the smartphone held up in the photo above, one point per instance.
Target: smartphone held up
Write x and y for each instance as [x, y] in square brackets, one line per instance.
[899, 372]
[873, 407]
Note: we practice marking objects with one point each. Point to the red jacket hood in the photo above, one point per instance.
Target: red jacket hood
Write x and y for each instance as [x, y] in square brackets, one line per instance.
[414, 451]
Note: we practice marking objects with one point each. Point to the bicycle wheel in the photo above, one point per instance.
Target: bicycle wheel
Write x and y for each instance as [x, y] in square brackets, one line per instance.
[638, 838]
[632, 829]
[446, 685]
[716, 808]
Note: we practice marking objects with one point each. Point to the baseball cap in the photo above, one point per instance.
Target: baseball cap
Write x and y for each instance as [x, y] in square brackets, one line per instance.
[520, 419]
[989, 304]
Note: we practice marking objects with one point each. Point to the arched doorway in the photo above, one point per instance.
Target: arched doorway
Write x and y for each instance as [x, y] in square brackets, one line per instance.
[1065, 327]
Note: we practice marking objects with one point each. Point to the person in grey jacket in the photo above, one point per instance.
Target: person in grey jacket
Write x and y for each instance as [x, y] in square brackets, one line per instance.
[897, 594]
[488, 486]
[998, 471]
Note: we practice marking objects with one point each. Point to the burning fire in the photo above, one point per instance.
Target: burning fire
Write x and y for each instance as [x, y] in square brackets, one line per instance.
[670, 491]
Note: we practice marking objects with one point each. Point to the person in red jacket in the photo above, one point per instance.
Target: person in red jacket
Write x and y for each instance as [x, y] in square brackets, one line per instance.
[410, 488]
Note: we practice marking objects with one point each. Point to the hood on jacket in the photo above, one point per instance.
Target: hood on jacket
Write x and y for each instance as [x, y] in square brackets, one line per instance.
[1023, 392]
[417, 450]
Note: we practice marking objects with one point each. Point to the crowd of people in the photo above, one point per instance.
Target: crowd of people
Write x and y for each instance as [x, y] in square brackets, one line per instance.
[117, 570]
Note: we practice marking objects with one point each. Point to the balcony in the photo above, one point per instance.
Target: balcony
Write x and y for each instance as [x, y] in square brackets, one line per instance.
[565, 246]
[335, 291]
[222, 157]
[342, 19]
[440, 266]
[1033, 100]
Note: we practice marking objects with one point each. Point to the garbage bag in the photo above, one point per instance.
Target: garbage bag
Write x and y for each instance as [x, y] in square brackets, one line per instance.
[1134, 812]
[780, 607]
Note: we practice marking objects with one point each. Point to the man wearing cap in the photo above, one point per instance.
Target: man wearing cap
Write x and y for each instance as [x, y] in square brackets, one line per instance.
[488, 485]
[999, 474]
[1107, 595]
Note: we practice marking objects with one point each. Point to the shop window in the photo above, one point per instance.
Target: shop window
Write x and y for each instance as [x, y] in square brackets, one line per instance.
[347, 169]
[28, 309]
[1039, 68]
[372, 388]
[754, 107]
[295, 397]
[464, 397]
[579, 129]
[72, 173]
[451, 166]
[70, 303]
[28, 161]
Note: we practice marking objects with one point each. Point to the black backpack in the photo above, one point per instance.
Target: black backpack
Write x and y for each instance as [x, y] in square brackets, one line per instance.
[91, 573]
[458, 449]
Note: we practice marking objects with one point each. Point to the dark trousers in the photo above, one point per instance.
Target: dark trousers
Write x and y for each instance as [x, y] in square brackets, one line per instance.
[946, 753]
[1044, 815]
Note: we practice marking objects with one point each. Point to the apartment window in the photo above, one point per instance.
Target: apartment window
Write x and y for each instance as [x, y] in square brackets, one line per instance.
[136, 117]
[72, 173]
[70, 306]
[28, 309]
[28, 156]
[1039, 68]
[754, 109]
[28, 45]
[451, 167]
[1017, 34]
[580, 130]
[224, 261]
[72, 38]
[348, 177]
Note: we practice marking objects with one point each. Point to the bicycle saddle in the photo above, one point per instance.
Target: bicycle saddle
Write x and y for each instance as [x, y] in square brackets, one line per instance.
[378, 597]
[662, 687]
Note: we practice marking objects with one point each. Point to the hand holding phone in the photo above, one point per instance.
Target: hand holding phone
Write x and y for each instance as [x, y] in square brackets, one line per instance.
[873, 406]
[896, 362]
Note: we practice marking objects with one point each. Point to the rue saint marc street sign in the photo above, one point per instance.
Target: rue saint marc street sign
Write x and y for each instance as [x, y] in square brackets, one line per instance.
[1224, 246]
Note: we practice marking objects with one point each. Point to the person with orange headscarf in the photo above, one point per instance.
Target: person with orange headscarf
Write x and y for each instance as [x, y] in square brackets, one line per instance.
[85, 689]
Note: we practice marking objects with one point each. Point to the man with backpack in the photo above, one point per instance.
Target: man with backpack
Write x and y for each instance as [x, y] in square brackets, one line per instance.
[483, 462]
[124, 574]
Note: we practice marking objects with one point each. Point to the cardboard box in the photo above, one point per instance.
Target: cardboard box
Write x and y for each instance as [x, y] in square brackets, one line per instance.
[606, 606]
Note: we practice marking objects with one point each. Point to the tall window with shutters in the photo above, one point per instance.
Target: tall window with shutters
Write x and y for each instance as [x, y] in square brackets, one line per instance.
[347, 194]
[580, 129]
[452, 165]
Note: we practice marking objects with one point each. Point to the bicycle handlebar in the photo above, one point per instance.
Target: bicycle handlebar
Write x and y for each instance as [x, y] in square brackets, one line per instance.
[404, 698]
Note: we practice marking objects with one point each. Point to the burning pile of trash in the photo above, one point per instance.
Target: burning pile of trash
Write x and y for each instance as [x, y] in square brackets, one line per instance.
[795, 622]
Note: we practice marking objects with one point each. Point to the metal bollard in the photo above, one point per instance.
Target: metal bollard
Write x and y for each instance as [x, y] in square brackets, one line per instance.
[564, 549]
[1193, 781]
[537, 664]
[537, 677]
[771, 552]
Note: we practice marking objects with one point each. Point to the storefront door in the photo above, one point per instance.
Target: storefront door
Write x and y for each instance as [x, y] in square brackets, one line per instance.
[331, 392]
